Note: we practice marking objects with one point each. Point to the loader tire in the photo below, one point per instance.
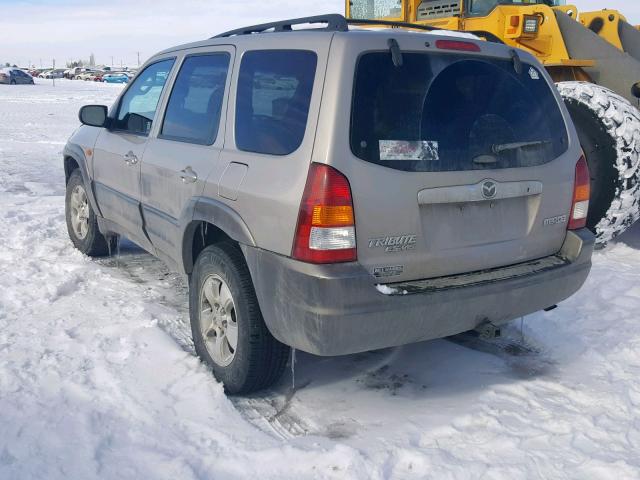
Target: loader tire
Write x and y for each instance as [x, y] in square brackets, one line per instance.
[608, 127]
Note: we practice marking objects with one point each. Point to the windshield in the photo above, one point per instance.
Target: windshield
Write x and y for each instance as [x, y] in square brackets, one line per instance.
[368, 9]
[449, 112]
[484, 7]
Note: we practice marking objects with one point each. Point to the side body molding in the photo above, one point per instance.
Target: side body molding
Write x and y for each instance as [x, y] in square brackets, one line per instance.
[75, 151]
[212, 211]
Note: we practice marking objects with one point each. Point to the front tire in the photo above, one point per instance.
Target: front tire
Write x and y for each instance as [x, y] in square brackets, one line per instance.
[228, 330]
[608, 127]
[82, 223]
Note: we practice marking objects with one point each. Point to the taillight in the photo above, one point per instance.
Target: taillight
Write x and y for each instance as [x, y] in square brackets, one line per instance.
[457, 45]
[326, 230]
[581, 194]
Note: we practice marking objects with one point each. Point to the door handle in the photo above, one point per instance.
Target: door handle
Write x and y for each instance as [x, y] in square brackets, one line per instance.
[188, 175]
[130, 158]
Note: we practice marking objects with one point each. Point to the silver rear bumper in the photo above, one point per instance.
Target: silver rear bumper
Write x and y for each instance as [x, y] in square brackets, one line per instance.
[337, 309]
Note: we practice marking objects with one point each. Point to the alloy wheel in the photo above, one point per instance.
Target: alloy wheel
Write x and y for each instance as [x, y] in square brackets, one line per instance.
[218, 323]
[79, 204]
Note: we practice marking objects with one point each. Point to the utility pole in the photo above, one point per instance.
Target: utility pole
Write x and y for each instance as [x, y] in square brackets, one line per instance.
[53, 75]
[138, 58]
[112, 60]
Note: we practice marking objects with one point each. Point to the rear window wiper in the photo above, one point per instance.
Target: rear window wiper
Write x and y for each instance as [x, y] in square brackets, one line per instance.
[505, 147]
[396, 53]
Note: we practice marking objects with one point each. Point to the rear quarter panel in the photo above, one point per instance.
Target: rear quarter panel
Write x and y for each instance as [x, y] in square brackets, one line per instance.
[268, 199]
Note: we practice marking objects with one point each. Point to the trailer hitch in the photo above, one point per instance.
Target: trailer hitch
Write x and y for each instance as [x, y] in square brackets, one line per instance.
[488, 331]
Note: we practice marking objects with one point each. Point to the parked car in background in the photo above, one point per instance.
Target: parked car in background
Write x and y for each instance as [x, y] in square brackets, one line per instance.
[118, 77]
[84, 75]
[72, 72]
[79, 73]
[57, 73]
[15, 76]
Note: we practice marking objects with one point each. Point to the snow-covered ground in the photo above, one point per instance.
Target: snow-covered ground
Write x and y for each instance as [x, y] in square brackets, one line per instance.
[98, 377]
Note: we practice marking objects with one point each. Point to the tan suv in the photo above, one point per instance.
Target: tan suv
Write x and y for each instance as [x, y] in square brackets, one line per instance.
[336, 190]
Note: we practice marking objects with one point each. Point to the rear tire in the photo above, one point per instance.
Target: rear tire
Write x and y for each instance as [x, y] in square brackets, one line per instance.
[251, 359]
[608, 127]
[82, 223]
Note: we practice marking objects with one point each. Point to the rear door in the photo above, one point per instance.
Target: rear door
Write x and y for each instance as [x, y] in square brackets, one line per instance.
[456, 163]
[187, 148]
[271, 134]
[119, 149]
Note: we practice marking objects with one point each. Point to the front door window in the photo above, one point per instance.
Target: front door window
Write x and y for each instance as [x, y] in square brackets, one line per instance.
[140, 102]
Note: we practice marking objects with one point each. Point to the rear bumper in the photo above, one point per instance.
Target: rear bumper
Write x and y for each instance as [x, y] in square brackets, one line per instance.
[337, 309]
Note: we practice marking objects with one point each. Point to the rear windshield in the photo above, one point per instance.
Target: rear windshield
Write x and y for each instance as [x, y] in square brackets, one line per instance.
[448, 112]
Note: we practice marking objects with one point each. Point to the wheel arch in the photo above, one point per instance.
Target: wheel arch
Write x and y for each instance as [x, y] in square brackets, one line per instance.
[70, 164]
[209, 222]
[74, 159]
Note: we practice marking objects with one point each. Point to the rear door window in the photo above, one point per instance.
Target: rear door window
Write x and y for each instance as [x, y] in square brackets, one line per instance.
[274, 93]
[194, 108]
[448, 112]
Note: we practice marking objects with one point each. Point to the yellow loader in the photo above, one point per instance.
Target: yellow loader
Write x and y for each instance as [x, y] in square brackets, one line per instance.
[595, 59]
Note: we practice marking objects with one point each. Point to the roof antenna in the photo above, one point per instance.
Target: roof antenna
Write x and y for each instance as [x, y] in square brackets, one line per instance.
[517, 62]
[396, 54]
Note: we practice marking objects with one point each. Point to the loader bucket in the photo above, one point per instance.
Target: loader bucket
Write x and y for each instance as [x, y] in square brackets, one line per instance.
[616, 70]
[630, 39]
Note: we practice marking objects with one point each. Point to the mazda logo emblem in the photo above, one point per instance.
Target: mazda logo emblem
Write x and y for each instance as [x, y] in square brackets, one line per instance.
[489, 189]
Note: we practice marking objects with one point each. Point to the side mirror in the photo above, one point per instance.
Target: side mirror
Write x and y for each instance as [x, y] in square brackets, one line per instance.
[635, 90]
[93, 115]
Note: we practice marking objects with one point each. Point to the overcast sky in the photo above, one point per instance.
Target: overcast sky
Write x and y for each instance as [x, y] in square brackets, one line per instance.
[39, 30]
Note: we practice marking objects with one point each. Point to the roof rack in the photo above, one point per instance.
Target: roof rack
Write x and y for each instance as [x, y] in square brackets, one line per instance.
[335, 23]
[338, 23]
